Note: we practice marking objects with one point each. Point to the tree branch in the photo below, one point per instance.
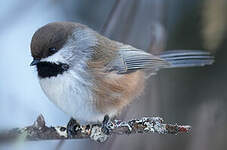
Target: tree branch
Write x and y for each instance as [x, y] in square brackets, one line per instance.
[39, 130]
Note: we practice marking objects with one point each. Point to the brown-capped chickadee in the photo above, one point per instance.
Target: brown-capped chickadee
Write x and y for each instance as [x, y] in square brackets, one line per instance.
[89, 76]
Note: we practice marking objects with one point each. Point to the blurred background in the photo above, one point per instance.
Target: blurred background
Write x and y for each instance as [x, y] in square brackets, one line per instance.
[193, 96]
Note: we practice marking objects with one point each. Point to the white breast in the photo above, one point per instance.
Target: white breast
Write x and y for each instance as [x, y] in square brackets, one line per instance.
[72, 94]
[72, 90]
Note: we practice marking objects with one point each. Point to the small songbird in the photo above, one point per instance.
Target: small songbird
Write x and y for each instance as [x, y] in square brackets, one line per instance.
[89, 76]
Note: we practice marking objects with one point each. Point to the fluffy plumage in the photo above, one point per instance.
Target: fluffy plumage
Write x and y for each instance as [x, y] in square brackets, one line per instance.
[102, 76]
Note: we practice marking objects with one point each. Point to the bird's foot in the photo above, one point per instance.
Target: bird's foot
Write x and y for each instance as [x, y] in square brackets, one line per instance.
[105, 128]
[73, 127]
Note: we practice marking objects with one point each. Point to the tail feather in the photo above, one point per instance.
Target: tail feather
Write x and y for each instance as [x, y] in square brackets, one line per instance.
[187, 58]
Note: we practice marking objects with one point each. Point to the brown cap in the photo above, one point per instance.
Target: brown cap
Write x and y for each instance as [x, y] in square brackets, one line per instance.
[50, 38]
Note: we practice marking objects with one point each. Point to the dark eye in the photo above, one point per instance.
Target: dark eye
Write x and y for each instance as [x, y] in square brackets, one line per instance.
[52, 49]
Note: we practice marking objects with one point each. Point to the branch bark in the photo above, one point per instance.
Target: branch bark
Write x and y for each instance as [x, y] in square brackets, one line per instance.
[39, 130]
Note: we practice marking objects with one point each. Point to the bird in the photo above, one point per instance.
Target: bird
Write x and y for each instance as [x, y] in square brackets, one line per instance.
[89, 76]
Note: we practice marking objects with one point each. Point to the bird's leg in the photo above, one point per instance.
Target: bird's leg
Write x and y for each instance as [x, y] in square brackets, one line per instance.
[73, 127]
[105, 128]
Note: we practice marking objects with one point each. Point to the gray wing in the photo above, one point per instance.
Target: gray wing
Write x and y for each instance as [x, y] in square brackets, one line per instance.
[129, 60]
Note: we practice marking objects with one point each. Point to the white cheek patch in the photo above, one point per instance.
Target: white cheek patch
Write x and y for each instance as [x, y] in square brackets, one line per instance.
[56, 58]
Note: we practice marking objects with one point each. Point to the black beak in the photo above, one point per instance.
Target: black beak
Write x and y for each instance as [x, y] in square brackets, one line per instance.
[35, 62]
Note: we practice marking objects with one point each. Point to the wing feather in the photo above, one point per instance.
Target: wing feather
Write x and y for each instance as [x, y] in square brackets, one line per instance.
[129, 60]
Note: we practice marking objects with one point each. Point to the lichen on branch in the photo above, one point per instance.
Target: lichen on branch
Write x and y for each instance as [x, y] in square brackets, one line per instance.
[39, 130]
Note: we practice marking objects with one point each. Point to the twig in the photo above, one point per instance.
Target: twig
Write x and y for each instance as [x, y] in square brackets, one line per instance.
[39, 130]
[110, 17]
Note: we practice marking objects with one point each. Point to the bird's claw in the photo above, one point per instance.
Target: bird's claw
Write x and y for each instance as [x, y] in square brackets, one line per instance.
[105, 128]
[73, 127]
